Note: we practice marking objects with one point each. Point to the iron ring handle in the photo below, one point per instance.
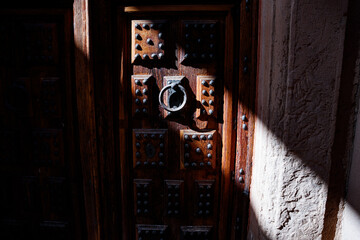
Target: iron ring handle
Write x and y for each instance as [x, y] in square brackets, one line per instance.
[167, 87]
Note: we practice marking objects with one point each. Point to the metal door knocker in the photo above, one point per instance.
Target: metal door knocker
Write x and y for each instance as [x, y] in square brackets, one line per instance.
[176, 97]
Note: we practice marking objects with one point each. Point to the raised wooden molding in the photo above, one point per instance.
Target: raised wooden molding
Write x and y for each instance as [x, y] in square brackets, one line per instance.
[178, 8]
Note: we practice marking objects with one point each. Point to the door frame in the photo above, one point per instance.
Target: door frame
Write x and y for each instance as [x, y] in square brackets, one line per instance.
[102, 119]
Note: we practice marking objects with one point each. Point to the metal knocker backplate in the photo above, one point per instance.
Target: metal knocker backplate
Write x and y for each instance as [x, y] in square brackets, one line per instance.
[177, 96]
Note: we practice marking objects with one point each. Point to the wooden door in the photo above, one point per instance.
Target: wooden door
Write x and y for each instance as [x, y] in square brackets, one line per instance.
[177, 142]
[39, 192]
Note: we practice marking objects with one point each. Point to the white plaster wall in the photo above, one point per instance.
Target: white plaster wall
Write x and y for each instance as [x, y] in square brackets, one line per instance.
[351, 216]
[300, 59]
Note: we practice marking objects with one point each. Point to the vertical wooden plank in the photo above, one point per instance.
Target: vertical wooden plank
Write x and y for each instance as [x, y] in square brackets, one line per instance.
[86, 118]
[75, 181]
[123, 126]
[102, 41]
[228, 149]
[247, 42]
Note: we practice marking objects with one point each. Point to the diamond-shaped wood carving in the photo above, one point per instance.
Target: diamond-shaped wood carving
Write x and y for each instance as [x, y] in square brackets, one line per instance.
[199, 41]
[197, 149]
[148, 40]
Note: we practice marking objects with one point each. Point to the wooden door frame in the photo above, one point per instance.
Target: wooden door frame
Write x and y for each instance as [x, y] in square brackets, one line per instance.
[228, 142]
[101, 115]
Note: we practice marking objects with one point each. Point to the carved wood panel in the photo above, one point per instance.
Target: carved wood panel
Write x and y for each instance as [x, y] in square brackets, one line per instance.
[37, 156]
[149, 40]
[198, 149]
[174, 195]
[196, 233]
[149, 232]
[142, 194]
[204, 204]
[200, 39]
[206, 95]
[40, 43]
[47, 147]
[181, 169]
[150, 148]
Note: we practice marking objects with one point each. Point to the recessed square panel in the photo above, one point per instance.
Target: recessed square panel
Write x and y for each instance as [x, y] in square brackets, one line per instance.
[149, 148]
[199, 41]
[197, 149]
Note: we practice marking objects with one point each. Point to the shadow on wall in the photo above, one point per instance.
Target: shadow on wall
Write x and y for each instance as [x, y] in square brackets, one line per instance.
[304, 121]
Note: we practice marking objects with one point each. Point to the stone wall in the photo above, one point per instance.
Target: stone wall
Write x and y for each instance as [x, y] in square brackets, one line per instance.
[299, 68]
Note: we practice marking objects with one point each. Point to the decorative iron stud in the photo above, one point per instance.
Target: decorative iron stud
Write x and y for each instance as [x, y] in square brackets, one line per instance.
[149, 41]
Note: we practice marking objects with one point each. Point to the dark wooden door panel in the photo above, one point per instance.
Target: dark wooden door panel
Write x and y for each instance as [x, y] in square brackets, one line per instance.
[37, 156]
[178, 73]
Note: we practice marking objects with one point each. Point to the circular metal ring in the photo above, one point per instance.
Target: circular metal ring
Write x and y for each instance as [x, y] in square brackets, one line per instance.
[161, 94]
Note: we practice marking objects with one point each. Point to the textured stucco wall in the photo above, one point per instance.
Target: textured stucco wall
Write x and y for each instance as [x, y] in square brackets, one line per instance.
[351, 216]
[300, 60]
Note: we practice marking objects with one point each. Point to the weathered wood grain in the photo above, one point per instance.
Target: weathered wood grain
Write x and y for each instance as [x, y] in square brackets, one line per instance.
[86, 116]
